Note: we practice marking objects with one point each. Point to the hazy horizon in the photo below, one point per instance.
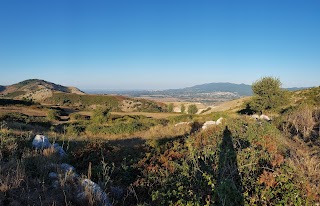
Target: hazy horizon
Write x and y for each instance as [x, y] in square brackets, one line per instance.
[156, 45]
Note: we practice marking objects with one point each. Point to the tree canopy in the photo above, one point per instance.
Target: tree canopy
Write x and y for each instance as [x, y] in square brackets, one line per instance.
[192, 109]
[267, 94]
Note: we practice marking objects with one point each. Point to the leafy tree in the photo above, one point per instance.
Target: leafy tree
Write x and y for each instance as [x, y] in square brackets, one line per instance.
[267, 94]
[101, 114]
[183, 108]
[170, 107]
[192, 109]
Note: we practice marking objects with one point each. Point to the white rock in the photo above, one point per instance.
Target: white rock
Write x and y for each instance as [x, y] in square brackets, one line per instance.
[255, 116]
[95, 190]
[41, 142]
[264, 117]
[208, 123]
[219, 121]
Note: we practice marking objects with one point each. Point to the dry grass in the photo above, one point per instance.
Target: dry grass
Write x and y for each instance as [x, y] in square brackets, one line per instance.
[306, 162]
[160, 131]
[12, 175]
[148, 114]
[232, 105]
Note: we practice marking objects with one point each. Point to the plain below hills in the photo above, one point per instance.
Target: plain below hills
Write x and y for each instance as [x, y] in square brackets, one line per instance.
[210, 93]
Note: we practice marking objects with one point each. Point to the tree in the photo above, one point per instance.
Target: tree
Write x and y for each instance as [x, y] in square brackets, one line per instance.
[101, 114]
[170, 107]
[192, 109]
[183, 108]
[267, 94]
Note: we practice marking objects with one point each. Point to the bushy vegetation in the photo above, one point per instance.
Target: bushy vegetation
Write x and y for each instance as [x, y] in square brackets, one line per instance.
[53, 114]
[170, 107]
[309, 96]
[15, 94]
[192, 109]
[183, 108]
[101, 115]
[268, 95]
[84, 100]
[149, 106]
[243, 163]
[8, 102]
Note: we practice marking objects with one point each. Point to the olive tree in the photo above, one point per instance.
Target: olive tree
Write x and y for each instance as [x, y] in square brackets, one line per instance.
[267, 94]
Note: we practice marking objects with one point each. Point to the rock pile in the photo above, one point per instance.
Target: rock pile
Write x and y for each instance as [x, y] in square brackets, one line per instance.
[81, 190]
[209, 123]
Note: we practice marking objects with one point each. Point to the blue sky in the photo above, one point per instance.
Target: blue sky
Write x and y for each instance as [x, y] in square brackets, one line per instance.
[159, 44]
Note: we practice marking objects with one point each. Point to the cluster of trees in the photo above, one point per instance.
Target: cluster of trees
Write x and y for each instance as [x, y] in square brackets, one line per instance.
[192, 109]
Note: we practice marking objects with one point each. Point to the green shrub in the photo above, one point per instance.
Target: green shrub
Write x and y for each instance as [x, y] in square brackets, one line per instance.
[183, 108]
[101, 115]
[53, 114]
[192, 109]
[170, 107]
[74, 129]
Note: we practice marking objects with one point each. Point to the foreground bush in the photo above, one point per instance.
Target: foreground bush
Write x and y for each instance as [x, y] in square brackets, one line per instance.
[241, 164]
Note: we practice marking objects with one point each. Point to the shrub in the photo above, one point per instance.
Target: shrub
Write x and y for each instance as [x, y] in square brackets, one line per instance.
[74, 130]
[183, 108]
[170, 107]
[300, 121]
[192, 109]
[101, 115]
[239, 165]
[53, 114]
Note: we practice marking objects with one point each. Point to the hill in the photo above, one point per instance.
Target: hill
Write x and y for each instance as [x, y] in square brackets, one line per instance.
[310, 95]
[2, 88]
[42, 91]
[35, 89]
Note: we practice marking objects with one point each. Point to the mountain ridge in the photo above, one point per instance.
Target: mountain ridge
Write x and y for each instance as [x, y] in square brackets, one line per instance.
[35, 89]
[240, 89]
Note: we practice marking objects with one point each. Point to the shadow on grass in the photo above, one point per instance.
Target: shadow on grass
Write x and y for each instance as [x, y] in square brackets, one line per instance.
[247, 110]
[229, 189]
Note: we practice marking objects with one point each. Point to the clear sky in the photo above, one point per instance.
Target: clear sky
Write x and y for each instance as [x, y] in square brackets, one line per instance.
[159, 44]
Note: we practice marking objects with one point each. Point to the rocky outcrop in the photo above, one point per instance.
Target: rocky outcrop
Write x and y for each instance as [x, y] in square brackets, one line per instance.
[81, 190]
[261, 117]
[41, 142]
[209, 123]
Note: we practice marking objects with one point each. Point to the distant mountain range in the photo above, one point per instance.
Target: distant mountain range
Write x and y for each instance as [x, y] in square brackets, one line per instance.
[227, 88]
[239, 89]
[37, 89]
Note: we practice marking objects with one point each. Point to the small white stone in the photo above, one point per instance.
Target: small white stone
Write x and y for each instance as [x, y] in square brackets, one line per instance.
[41, 142]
